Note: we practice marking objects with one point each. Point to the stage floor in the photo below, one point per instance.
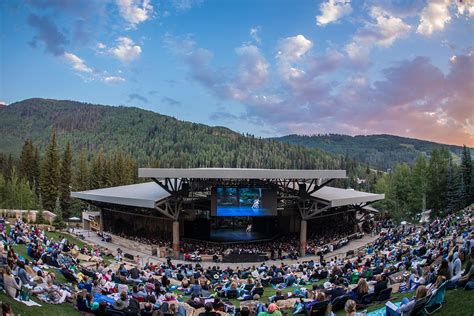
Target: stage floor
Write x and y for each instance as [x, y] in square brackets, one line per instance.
[229, 235]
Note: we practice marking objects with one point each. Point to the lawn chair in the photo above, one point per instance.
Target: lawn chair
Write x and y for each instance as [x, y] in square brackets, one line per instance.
[339, 302]
[418, 309]
[436, 301]
[318, 309]
[384, 295]
[355, 277]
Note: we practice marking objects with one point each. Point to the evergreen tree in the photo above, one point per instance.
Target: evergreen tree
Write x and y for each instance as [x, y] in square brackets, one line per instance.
[82, 177]
[437, 179]
[36, 171]
[466, 171]
[58, 220]
[50, 174]
[65, 180]
[455, 188]
[27, 161]
[419, 185]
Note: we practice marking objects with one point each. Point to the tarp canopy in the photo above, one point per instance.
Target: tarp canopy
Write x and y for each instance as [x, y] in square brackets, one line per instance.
[144, 195]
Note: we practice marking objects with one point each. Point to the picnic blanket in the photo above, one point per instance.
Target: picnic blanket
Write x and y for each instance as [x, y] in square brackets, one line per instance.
[28, 303]
[103, 298]
[382, 311]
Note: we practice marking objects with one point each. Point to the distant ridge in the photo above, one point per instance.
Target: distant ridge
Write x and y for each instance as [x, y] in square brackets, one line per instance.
[382, 151]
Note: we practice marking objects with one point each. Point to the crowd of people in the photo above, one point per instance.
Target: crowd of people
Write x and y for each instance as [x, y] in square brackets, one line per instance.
[420, 260]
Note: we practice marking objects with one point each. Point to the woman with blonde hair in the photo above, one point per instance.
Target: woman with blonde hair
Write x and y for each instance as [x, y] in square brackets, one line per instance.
[361, 289]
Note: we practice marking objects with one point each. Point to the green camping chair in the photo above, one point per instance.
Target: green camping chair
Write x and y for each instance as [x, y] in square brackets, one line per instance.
[436, 301]
[355, 277]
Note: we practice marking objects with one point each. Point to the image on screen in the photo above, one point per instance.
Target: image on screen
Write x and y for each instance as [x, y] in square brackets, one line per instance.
[231, 201]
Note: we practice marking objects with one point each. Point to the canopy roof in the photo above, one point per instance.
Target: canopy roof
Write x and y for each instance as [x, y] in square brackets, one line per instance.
[340, 197]
[139, 195]
[239, 173]
[147, 194]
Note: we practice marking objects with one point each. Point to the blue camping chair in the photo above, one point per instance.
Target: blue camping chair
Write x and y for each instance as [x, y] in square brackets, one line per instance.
[436, 301]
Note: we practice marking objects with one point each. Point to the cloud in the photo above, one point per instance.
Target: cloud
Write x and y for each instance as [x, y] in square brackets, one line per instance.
[436, 15]
[113, 79]
[48, 33]
[382, 32]
[333, 10]
[81, 33]
[171, 102]
[77, 63]
[254, 34]
[138, 97]
[252, 68]
[126, 50]
[135, 11]
[185, 5]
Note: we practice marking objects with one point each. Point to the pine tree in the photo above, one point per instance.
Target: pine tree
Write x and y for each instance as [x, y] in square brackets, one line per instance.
[466, 170]
[50, 174]
[454, 192]
[437, 179]
[58, 220]
[65, 180]
[27, 161]
[36, 171]
[82, 177]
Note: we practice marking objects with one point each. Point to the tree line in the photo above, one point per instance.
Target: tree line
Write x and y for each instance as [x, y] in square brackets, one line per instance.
[45, 181]
[436, 184]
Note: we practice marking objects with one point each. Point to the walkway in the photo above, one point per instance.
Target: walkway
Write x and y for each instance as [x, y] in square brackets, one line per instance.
[341, 252]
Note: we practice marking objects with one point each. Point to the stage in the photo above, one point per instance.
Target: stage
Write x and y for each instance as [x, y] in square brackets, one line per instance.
[230, 235]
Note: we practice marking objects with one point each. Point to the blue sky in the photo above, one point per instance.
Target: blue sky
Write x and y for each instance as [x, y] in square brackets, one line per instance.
[265, 67]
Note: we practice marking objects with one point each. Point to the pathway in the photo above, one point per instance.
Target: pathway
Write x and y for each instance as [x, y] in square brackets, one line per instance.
[352, 245]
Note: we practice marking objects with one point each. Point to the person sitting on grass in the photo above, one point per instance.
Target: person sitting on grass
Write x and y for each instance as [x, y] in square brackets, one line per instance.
[208, 310]
[272, 310]
[10, 284]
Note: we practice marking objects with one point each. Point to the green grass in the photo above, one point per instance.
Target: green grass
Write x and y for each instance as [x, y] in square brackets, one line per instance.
[20, 309]
[56, 236]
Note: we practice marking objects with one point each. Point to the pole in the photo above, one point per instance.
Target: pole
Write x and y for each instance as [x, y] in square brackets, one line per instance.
[303, 232]
[176, 239]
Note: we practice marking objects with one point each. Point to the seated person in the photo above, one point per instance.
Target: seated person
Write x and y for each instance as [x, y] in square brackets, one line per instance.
[380, 284]
[407, 305]
[10, 284]
[272, 310]
[278, 296]
[208, 310]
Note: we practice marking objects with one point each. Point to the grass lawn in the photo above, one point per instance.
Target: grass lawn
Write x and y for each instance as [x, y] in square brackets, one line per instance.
[20, 309]
[55, 236]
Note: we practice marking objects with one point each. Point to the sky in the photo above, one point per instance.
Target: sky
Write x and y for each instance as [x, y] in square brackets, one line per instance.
[265, 67]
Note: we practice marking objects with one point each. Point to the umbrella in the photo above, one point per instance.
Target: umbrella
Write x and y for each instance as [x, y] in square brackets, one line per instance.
[404, 223]
[74, 218]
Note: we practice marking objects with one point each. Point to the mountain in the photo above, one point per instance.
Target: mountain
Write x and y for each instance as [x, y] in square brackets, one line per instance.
[380, 151]
[152, 139]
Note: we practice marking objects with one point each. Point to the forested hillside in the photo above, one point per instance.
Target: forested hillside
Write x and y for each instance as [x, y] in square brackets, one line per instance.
[379, 151]
[150, 138]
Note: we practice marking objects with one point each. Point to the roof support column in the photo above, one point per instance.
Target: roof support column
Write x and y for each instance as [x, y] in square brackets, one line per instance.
[303, 233]
[176, 239]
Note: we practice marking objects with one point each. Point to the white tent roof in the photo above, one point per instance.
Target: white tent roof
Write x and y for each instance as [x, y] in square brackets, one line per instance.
[340, 197]
[239, 173]
[140, 195]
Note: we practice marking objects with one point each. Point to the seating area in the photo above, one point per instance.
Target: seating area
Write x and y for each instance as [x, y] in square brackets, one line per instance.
[398, 265]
